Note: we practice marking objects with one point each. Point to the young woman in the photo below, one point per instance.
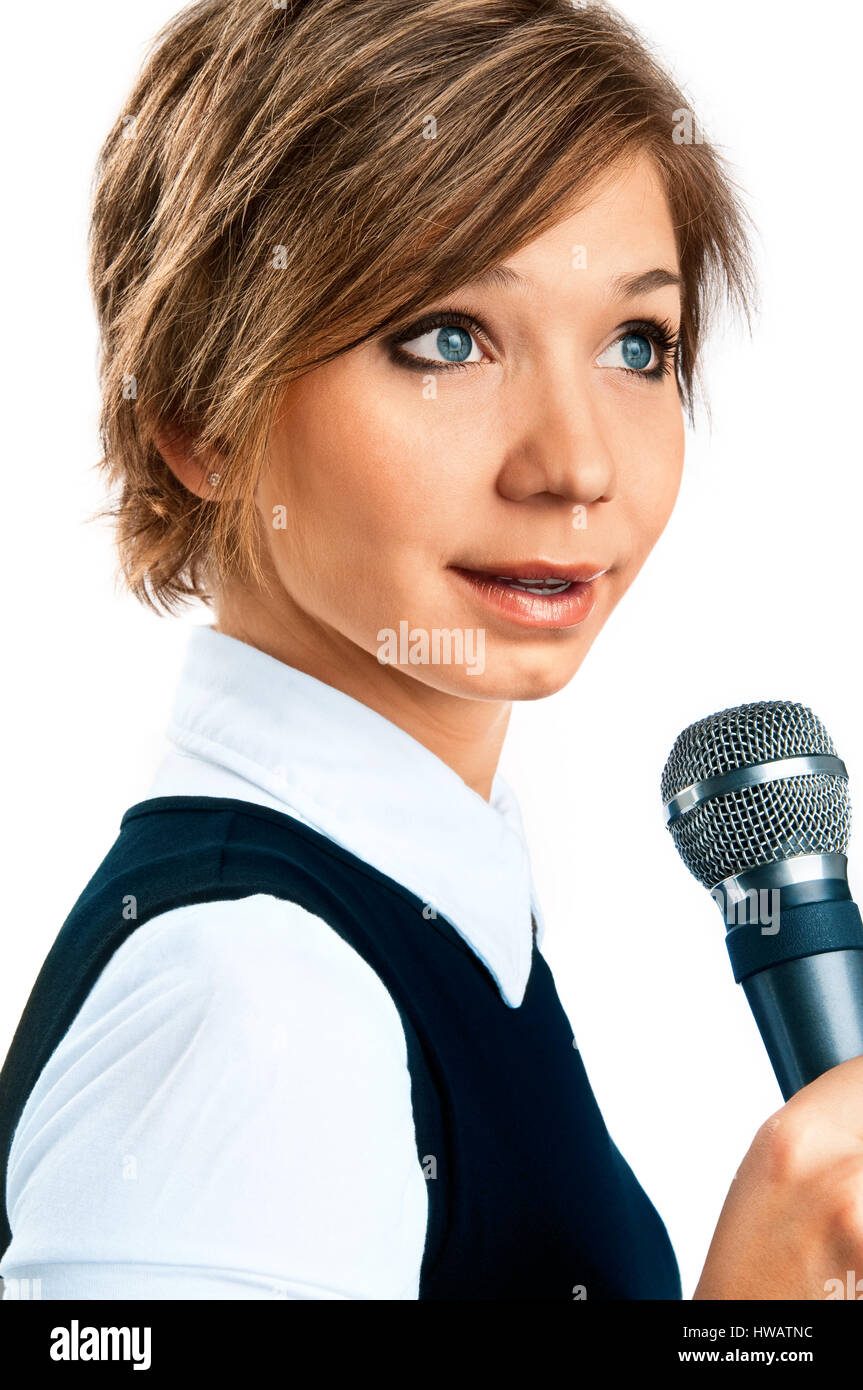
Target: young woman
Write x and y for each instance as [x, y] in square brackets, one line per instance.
[401, 304]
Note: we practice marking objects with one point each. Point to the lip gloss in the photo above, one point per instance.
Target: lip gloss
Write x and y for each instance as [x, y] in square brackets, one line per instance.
[552, 610]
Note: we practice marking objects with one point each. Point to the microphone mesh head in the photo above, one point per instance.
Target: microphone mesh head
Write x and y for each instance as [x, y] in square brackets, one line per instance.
[727, 834]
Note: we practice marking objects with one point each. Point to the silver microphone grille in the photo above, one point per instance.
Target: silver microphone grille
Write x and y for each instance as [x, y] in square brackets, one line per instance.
[756, 824]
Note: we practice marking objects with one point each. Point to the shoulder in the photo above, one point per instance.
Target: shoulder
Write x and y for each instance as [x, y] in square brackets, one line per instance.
[249, 961]
[234, 1092]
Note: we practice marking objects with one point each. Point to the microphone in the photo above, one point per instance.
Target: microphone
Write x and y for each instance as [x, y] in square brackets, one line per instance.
[757, 804]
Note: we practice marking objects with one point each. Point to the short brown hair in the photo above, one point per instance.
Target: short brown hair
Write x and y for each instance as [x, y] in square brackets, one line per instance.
[268, 200]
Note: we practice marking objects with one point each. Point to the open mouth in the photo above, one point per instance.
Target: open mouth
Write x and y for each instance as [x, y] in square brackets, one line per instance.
[536, 595]
[535, 586]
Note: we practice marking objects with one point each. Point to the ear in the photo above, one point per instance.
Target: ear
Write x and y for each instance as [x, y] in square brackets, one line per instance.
[203, 474]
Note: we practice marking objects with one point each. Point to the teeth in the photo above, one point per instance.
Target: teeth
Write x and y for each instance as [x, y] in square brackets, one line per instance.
[536, 586]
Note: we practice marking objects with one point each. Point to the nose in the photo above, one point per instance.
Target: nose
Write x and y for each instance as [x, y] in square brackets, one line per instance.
[559, 450]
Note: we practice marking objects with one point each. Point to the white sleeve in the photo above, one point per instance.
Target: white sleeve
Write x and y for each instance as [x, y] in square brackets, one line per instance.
[229, 1116]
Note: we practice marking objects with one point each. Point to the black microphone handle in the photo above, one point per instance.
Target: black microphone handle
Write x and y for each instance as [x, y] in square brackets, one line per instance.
[805, 987]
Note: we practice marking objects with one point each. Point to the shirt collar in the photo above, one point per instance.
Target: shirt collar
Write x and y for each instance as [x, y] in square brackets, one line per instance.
[310, 750]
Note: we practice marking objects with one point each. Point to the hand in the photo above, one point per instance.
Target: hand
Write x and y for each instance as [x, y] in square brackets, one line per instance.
[793, 1217]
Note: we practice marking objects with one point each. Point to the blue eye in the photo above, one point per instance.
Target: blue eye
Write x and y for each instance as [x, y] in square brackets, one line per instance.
[635, 350]
[454, 343]
[450, 339]
[444, 341]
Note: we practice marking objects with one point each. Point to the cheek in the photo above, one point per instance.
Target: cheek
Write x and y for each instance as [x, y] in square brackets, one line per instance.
[650, 478]
[394, 476]
[368, 490]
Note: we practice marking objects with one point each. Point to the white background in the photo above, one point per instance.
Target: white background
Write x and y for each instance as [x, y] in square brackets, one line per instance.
[753, 592]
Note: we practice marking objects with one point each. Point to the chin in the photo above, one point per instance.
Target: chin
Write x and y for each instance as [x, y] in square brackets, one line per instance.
[509, 675]
[535, 680]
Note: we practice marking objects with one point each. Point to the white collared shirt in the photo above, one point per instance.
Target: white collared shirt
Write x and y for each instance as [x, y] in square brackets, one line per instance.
[229, 1115]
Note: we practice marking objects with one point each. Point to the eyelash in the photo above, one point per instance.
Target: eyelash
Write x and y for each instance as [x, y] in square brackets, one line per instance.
[658, 331]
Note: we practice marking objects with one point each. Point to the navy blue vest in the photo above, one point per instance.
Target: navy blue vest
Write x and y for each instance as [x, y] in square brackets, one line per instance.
[529, 1198]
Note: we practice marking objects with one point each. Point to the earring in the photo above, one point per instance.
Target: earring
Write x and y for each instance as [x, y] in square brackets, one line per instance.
[213, 479]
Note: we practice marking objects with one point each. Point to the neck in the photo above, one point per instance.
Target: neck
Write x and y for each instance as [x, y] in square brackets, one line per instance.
[466, 734]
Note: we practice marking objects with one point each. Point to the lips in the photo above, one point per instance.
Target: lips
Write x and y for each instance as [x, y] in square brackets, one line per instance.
[536, 570]
[535, 593]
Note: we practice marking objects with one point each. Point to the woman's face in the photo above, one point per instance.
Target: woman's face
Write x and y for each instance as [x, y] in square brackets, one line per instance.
[528, 431]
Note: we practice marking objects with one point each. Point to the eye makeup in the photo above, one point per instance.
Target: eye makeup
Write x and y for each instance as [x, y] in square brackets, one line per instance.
[440, 318]
[660, 333]
[663, 337]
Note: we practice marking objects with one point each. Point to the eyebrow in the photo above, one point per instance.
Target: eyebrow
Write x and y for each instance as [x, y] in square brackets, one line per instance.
[625, 286]
[622, 286]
